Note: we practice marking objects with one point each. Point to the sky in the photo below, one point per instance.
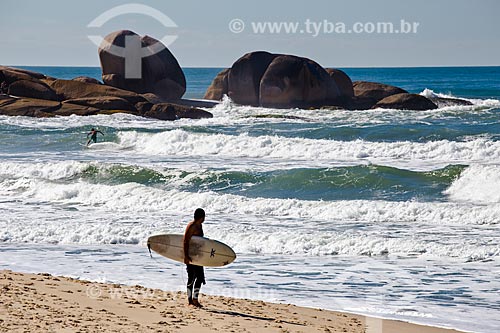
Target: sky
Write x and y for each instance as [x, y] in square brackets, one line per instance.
[449, 32]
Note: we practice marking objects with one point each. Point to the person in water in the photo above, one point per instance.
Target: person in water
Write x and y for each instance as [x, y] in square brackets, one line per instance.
[93, 135]
[196, 275]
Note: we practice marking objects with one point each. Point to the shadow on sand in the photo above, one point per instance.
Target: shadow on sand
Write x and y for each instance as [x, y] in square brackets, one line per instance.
[246, 315]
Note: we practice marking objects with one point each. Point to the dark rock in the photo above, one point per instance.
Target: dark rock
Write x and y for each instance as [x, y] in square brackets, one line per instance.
[277, 116]
[143, 107]
[406, 101]
[343, 82]
[103, 103]
[28, 107]
[291, 81]
[219, 86]
[152, 98]
[367, 94]
[11, 74]
[69, 89]
[68, 109]
[33, 89]
[375, 90]
[86, 79]
[442, 102]
[169, 111]
[161, 73]
[195, 103]
[245, 75]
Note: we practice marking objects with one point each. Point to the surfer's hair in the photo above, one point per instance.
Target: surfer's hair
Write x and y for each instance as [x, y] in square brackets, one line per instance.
[199, 213]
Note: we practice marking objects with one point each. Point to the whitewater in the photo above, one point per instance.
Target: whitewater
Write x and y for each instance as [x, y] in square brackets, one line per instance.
[388, 213]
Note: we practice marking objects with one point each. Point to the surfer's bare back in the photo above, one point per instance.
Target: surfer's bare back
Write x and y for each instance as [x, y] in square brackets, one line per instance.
[196, 274]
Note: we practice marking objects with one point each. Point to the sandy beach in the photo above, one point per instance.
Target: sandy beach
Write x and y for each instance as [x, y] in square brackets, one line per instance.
[45, 303]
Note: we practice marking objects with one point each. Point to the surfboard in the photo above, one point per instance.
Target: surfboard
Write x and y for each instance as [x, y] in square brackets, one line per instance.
[203, 251]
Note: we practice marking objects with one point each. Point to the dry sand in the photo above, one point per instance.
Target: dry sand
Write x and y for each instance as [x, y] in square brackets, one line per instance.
[45, 303]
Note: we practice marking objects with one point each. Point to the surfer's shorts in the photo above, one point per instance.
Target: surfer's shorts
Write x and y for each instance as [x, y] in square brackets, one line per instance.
[196, 274]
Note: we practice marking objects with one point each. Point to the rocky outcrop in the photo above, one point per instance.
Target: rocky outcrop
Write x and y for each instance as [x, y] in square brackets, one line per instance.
[86, 79]
[291, 81]
[56, 97]
[28, 107]
[375, 90]
[367, 94]
[103, 103]
[160, 71]
[406, 101]
[245, 75]
[69, 89]
[443, 102]
[68, 109]
[33, 89]
[219, 86]
[11, 74]
[275, 80]
[343, 82]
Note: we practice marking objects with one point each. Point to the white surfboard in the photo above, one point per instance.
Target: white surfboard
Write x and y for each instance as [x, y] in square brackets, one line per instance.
[203, 251]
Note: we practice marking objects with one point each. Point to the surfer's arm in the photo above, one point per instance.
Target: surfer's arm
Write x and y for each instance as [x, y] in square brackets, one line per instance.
[187, 239]
[101, 133]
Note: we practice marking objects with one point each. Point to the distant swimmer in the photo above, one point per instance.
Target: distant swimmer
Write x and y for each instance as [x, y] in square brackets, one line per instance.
[93, 135]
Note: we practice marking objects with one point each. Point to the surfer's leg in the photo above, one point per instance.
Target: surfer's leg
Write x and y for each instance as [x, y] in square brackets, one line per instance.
[199, 279]
[190, 282]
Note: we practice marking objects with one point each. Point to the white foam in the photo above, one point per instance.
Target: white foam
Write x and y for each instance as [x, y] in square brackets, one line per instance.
[182, 143]
[478, 184]
[48, 171]
[476, 102]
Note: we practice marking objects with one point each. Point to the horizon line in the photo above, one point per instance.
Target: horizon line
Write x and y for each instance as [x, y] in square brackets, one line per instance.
[223, 67]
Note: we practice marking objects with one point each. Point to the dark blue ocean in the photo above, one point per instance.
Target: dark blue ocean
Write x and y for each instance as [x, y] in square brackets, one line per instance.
[389, 213]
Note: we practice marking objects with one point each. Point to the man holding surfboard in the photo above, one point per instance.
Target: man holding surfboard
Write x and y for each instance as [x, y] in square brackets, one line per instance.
[196, 274]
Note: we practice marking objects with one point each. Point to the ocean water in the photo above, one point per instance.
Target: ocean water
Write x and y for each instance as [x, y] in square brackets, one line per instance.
[388, 213]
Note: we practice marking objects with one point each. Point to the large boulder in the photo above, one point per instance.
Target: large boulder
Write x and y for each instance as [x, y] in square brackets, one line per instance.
[169, 111]
[291, 81]
[219, 86]
[161, 73]
[11, 74]
[69, 89]
[86, 79]
[33, 89]
[28, 107]
[367, 94]
[375, 90]
[343, 82]
[103, 103]
[245, 76]
[68, 109]
[406, 101]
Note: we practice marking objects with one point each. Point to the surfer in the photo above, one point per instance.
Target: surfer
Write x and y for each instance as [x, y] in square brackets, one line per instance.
[93, 135]
[196, 275]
